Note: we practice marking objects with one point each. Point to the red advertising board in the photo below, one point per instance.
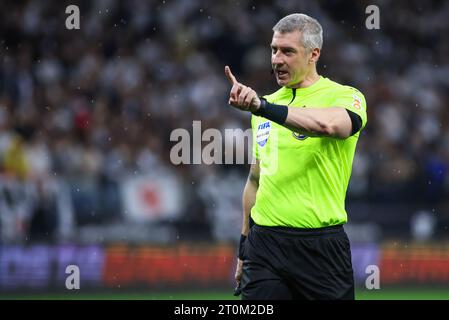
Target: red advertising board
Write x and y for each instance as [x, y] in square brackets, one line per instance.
[168, 266]
[418, 264]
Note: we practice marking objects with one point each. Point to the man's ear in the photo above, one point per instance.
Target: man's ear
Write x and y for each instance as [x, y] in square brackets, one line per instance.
[314, 55]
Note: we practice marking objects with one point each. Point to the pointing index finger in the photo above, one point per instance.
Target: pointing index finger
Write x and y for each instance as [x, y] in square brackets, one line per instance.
[230, 76]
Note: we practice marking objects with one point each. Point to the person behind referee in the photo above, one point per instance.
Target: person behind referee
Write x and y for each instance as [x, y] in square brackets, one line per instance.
[304, 140]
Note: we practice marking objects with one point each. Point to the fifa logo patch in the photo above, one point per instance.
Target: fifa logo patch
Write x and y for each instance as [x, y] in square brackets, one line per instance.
[299, 136]
[263, 131]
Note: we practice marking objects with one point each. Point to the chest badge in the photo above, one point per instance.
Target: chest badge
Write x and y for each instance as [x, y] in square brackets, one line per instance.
[263, 131]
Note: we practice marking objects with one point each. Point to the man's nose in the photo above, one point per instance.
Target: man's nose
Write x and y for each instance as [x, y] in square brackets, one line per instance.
[276, 59]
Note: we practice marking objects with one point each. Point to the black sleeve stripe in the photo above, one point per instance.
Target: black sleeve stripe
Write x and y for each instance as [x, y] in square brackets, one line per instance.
[356, 122]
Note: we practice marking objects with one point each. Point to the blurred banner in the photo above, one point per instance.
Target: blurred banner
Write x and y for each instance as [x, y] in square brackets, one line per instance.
[152, 197]
[196, 266]
[415, 264]
[43, 267]
[180, 266]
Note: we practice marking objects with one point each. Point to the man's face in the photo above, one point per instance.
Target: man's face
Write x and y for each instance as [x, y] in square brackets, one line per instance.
[289, 58]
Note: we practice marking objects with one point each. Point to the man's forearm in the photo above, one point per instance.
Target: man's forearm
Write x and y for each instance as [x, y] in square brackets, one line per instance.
[249, 199]
[314, 122]
[333, 122]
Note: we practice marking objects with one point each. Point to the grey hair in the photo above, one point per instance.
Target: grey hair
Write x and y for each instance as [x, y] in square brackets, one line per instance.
[310, 28]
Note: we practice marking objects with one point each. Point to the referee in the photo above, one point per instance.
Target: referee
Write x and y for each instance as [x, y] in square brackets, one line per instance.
[293, 245]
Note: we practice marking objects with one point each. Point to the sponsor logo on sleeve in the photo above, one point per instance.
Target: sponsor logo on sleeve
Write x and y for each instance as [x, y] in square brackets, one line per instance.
[357, 102]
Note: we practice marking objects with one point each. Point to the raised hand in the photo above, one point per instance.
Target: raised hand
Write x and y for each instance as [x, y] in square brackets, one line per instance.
[241, 96]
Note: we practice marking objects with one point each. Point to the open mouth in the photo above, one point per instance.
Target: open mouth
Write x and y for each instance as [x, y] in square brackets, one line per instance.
[281, 73]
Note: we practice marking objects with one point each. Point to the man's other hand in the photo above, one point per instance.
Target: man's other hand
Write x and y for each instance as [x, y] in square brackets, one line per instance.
[238, 277]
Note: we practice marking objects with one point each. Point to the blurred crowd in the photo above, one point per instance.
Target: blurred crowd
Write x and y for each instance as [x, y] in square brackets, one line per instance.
[82, 109]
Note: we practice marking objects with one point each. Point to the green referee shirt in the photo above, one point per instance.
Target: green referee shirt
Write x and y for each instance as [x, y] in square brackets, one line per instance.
[303, 180]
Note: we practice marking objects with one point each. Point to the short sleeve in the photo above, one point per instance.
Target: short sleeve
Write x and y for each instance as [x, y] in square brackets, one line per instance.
[352, 100]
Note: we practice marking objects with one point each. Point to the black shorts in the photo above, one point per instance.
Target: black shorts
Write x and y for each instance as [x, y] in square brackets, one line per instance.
[290, 263]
